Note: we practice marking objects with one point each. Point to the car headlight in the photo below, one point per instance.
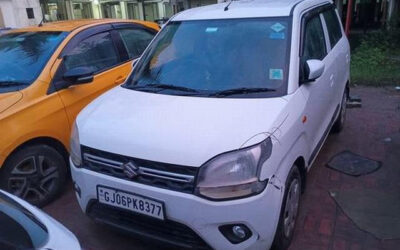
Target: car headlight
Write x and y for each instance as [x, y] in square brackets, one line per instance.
[234, 174]
[75, 145]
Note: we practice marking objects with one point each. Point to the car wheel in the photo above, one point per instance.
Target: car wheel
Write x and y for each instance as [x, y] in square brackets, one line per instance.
[339, 123]
[289, 210]
[36, 174]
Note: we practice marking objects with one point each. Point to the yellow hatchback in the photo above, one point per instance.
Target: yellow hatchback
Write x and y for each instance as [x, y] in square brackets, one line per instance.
[47, 75]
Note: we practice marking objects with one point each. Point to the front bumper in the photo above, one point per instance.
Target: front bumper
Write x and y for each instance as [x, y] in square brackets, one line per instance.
[259, 213]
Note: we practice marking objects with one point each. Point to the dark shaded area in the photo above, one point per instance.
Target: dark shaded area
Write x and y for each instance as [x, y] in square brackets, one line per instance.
[374, 211]
[353, 164]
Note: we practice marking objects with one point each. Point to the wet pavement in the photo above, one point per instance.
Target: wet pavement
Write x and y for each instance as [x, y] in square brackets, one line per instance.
[372, 131]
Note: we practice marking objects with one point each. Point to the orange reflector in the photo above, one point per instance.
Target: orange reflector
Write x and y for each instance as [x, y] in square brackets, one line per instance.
[304, 119]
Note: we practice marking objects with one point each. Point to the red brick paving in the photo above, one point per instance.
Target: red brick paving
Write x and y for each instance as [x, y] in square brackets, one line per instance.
[321, 224]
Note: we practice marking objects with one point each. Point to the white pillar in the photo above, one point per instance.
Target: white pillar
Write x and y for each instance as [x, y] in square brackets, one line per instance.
[96, 10]
[124, 10]
[161, 12]
[141, 15]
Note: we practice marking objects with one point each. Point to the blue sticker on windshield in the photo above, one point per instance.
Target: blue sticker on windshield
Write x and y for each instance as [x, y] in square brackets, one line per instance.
[277, 35]
[277, 27]
[211, 29]
[275, 74]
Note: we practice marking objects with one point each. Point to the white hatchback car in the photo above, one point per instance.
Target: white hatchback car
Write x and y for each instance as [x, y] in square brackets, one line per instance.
[208, 142]
[24, 226]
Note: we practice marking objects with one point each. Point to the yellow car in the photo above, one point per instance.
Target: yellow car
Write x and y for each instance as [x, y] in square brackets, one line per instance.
[48, 74]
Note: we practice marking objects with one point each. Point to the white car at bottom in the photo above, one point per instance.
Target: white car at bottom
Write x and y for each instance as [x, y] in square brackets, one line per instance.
[208, 142]
[24, 226]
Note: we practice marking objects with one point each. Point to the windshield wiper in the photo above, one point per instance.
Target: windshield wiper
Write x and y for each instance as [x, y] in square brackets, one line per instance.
[11, 84]
[164, 86]
[237, 91]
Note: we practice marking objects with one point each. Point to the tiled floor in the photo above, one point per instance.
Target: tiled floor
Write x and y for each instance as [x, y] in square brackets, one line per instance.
[321, 224]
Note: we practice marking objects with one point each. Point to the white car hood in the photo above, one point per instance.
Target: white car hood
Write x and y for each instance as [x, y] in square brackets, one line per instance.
[175, 129]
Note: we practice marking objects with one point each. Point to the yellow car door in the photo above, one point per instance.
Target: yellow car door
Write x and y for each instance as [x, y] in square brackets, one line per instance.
[94, 61]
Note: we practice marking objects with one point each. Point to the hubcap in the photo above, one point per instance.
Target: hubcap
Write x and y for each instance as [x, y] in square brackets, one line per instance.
[291, 207]
[33, 178]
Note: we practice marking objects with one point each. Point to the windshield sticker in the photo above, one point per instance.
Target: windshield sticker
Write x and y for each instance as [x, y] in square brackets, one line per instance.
[276, 74]
[211, 29]
[277, 35]
[277, 27]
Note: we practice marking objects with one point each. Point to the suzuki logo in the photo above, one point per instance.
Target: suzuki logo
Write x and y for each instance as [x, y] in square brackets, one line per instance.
[130, 170]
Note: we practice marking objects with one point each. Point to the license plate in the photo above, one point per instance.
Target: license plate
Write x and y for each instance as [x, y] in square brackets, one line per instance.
[133, 202]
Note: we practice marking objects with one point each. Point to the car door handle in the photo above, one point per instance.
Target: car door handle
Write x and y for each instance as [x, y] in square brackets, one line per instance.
[347, 58]
[119, 80]
[331, 79]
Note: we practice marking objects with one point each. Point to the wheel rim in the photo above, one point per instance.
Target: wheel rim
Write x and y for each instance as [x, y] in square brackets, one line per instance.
[33, 179]
[291, 207]
[343, 108]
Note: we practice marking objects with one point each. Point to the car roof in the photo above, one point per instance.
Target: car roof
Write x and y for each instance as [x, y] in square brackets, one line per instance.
[71, 25]
[240, 9]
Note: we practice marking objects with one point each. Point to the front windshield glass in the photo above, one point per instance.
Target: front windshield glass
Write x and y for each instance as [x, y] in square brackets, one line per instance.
[19, 228]
[23, 56]
[217, 58]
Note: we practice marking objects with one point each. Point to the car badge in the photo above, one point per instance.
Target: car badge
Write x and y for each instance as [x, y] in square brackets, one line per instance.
[130, 170]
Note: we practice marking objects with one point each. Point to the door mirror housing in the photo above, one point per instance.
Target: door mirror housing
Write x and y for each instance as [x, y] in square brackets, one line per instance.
[78, 75]
[313, 69]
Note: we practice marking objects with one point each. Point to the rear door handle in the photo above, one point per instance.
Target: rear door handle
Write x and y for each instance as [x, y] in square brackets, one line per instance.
[331, 79]
[119, 80]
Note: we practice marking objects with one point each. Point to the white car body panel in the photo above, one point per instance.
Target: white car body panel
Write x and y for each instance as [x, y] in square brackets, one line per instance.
[145, 121]
[189, 131]
[60, 238]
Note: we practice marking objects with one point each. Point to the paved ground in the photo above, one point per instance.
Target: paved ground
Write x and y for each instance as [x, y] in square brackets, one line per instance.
[321, 223]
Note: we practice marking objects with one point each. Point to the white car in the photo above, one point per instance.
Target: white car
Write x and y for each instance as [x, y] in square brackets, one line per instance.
[208, 142]
[24, 226]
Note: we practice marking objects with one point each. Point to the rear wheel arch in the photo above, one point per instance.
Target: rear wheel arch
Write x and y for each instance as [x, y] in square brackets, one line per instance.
[48, 141]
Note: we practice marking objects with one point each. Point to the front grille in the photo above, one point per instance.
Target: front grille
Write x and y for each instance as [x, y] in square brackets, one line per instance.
[158, 174]
[166, 232]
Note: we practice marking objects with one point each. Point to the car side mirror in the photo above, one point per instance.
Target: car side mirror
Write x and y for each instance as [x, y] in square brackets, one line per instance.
[78, 75]
[313, 69]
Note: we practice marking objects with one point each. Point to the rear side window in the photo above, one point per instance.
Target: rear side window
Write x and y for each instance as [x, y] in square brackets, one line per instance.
[135, 41]
[97, 52]
[314, 40]
[333, 25]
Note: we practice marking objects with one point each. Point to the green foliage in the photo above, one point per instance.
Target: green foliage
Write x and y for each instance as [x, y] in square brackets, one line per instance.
[376, 61]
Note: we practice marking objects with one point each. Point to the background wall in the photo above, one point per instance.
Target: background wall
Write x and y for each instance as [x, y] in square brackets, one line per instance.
[14, 13]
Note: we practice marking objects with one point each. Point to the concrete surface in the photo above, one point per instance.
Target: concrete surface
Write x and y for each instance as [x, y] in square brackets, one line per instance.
[321, 223]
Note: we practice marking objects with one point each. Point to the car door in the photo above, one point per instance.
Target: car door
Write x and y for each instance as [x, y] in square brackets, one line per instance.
[317, 92]
[96, 49]
[104, 50]
[339, 51]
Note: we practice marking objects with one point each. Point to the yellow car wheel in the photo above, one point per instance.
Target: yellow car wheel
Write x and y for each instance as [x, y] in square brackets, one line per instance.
[35, 173]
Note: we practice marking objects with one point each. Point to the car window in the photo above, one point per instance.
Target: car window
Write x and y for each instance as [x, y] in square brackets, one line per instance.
[97, 52]
[314, 40]
[23, 56]
[333, 25]
[19, 228]
[135, 41]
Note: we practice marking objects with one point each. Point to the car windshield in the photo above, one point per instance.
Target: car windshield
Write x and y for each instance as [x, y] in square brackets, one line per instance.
[23, 56]
[217, 58]
[19, 228]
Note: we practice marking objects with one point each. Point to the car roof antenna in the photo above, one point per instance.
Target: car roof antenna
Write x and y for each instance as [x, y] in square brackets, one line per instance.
[227, 7]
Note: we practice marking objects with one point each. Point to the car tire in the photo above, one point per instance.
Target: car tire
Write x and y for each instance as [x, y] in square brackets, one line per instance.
[341, 119]
[35, 173]
[289, 210]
